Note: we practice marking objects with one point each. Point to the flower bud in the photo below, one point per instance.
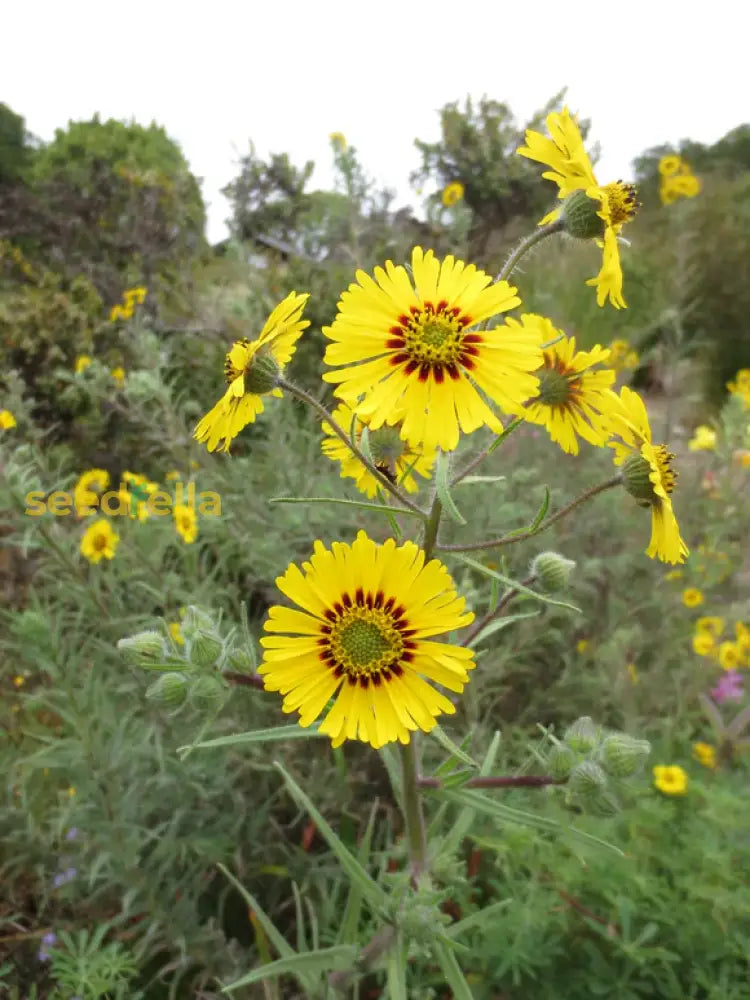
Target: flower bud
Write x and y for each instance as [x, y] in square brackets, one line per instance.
[143, 649]
[622, 755]
[205, 649]
[561, 760]
[587, 788]
[263, 375]
[583, 735]
[552, 571]
[168, 690]
[207, 693]
[580, 217]
[242, 659]
[195, 619]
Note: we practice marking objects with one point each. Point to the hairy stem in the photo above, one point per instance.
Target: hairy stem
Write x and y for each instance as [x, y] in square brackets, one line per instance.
[526, 244]
[496, 612]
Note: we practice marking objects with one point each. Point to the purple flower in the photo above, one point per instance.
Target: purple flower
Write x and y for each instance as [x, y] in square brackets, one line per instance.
[49, 938]
[47, 941]
[62, 878]
[729, 687]
[72, 833]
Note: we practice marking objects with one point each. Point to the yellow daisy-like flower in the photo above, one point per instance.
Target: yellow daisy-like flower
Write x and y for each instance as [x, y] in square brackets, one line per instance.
[252, 368]
[704, 439]
[364, 638]
[574, 400]
[582, 645]
[117, 312]
[452, 193]
[393, 456]
[648, 475]
[99, 541]
[704, 644]
[711, 624]
[692, 597]
[742, 632]
[135, 296]
[730, 656]
[82, 363]
[19, 680]
[118, 374]
[705, 754]
[669, 165]
[186, 522]
[86, 491]
[339, 139]
[670, 779]
[572, 171]
[7, 420]
[412, 350]
[175, 630]
[740, 387]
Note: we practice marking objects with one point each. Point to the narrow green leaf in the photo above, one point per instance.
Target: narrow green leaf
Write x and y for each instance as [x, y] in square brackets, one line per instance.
[506, 433]
[481, 479]
[364, 443]
[447, 744]
[465, 818]
[349, 926]
[498, 624]
[514, 584]
[442, 484]
[256, 736]
[311, 962]
[481, 919]
[542, 512]
[454, 977]
[371, 890]
[364, 504]
[396, 972]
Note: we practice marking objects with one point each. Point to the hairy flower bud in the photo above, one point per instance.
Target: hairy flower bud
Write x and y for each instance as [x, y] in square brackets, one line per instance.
[195, 619]
[263, 375]
[552, 571]
[561, 760]
[143, 649]
[207, 693]
[580, 216]
[205, 649]
[636, 478]
[242, 659]
[583, 735]
[168, 690]
[622, 755]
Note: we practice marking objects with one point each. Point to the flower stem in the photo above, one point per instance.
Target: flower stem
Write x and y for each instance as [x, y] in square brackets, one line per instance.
[493, 543]
[413, 813]
[383, 480]
[495, 612]
[500, 781]
[526, 244]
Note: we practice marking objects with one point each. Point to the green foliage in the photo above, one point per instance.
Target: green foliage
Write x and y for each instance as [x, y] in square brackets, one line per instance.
[15, 148]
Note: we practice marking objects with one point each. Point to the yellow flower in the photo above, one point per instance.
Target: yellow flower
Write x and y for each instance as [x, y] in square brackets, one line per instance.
[252, 368]
[704, 643]
[82, 363]
[683, 186]
[452, 193]
[674, 574]
[692, 597]
[134, 296]
[730, 656]
[741, 386]
[574, 400]
[705, 754]
[633, 673]
[71, 791]
[118, 374]
[175, 630]
[703, 440]
[186, 522]
[582, 645]
[632, 358]
[86, 491]
[648, 476]
[172, 475]
[7, 420]
[671, 779]
[339, 139]
[413, 349]
[19, 680]
[364, 637]
[740, 457]
[614, 204]
[711, 624]
[669, 165]
[742, 632]
[393, 456]
[116, 312]
[99, 541]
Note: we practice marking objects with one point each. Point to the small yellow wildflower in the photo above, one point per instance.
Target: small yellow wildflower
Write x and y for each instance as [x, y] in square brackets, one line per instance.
[670, 779]
[339, 139]
[632, 359]
[118, 374]
[115, 313]
[582, 645]
[692, 597]
[704, 644]
[742, 632]
[186, 522]
[674, 574]
[133, 296]
[452, 193]
[172, 476]
[633, 673]
[99, 541]
[7, 420]
[19, 680]
[740, 457]
[82, 363]
[705, 754]
[704, 439]
[71, 791]
[730, 656]
[669, 165]
[711, 624]
[175, 630]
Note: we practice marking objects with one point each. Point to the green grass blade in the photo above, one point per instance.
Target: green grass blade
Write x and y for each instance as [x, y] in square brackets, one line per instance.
[256, 736]
[302, 967]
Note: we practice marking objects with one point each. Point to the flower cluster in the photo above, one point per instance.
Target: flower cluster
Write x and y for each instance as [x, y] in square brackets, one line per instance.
[84, 361]
[130, 299]
[622, 356]
[710, 641]
[677, 180]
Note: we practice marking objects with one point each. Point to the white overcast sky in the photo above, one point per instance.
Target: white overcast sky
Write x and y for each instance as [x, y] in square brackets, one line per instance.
[284, 74]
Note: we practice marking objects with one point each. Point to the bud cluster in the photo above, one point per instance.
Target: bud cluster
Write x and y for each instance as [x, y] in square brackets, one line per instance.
[594, 761]
[191, 673]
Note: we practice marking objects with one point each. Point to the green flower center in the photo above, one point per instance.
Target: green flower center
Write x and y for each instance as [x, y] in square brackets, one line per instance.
[432, 341]
[434, 334]
[554, 387]
[386, 446]
[365, 641]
